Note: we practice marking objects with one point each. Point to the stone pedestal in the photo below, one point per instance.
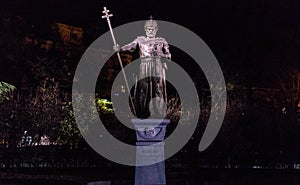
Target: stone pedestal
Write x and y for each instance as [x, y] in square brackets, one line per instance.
[149, 132]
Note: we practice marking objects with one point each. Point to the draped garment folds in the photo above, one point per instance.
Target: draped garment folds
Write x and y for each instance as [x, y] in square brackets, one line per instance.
[152, 75]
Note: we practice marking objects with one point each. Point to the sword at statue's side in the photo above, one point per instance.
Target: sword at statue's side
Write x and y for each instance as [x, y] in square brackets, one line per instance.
[106, 15]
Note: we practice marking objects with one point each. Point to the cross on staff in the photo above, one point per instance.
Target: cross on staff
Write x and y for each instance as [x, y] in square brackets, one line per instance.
[107, 15]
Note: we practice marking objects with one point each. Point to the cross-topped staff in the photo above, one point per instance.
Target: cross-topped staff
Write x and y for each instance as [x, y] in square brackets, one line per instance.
[107, 15]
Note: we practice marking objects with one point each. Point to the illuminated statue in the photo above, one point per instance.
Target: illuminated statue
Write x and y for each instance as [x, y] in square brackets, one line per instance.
[152, 50]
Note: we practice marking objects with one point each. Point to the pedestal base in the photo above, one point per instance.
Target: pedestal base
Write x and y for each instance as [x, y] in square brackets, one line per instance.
[150, 132]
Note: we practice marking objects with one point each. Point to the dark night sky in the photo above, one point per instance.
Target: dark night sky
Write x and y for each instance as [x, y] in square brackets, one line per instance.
[248, 35]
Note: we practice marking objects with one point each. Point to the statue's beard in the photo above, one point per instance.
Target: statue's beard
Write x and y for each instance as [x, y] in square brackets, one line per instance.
[150, 35]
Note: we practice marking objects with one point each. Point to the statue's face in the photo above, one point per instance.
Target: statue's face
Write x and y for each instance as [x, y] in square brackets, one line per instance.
[150, 31]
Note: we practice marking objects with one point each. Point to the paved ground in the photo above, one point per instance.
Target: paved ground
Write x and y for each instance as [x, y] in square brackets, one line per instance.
[125, 177]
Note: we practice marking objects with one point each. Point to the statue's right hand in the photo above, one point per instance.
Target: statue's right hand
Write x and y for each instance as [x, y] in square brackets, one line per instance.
[116, 48]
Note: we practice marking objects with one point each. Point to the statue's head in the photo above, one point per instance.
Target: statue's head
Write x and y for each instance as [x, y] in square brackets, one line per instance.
[151, 28]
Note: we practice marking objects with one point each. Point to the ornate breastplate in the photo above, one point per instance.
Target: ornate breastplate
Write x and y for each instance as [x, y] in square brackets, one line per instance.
[151, 47]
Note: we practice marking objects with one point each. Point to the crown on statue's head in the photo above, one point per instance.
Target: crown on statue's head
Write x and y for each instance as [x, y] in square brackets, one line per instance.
[151, 23]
